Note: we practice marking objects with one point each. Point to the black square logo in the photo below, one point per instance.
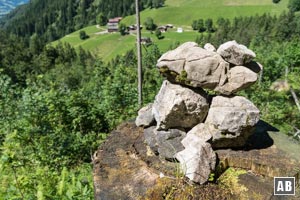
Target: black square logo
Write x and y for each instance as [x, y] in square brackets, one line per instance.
[284, 185]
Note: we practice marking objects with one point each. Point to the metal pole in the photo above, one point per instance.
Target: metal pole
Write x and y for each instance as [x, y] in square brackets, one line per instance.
[139, 54]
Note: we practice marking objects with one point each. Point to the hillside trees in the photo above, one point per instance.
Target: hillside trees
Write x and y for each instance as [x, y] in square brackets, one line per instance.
[198, 25]
[60, 17]
[122, 29]
[83, 35]
[58, 112]
[202, 26]
[154, 3]
[149, 24]
[101, 19]
[294, 5]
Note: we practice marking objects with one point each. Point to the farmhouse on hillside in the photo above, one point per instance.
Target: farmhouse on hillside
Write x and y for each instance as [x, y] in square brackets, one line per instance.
[113, 24]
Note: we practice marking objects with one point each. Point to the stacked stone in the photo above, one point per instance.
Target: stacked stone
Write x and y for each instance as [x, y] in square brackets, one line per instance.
[187, 124]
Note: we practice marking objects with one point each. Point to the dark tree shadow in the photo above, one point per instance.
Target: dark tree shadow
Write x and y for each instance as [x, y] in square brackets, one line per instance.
[260, 138]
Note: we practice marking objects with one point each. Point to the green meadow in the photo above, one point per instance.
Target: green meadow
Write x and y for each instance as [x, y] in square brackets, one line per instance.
[180, 13]
[183, 12]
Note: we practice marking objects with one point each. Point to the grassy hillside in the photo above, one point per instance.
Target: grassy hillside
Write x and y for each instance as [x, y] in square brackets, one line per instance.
[181, 13]
[108, 45]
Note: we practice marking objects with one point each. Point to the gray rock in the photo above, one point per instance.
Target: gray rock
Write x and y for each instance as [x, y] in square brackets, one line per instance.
[239, 77]
[178, 106]
[198, 134]
[169, 143]
[164, 143]
[210, 47]
[151, 138]
[145, 117]
[233, 119]
[197, 161]
[194, 66]
[235, 53]
[175, 59]
[206, 72]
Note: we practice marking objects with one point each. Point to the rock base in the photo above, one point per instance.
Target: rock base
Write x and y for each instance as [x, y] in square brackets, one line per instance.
[126, 168]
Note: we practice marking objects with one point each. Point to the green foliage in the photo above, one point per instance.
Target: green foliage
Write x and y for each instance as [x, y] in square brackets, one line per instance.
[294, 5]
[101, 19]
[202, 26]
[58, 103]
[155, 3]
[50, 123]
[158, 34]
[276, 1]
[52, 19]
[209, 25]
[230, 181]
[149, 24]
[188, 10]
[36, 182]
[83, 35]
[122, 29]
[199, 25]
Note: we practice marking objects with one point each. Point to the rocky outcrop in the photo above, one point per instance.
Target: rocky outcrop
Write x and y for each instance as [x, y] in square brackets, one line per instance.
[210, 47]
[211, 122]
[239, 77]
[205, 133]
[235, 53]
[197, 161]
[176, 106]
[124, 168]
[145, 116]
[233, 119]
[191, 65]
[164, 143]
[194, 66]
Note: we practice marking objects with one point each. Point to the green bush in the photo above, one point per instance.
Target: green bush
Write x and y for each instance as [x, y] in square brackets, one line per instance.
[83, 35]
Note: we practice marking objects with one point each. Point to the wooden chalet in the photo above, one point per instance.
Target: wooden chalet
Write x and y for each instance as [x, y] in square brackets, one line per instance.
[113, 24]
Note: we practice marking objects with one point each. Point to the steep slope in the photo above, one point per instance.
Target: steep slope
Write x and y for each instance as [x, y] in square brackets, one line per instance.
[52, 19]
[7, 5]
[181, 13]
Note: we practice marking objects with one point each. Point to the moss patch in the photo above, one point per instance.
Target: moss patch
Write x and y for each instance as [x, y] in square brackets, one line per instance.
[179, 188]
[229, 180]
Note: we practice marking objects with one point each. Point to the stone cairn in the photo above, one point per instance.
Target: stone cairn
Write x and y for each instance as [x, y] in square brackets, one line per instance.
[187, 124]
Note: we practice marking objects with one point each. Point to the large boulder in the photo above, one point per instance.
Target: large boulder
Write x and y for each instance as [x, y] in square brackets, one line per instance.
[169, 143]
[192, 65]
[197, 161]
[235, 53]
[164, 143]
[233, 119]
[175, 59]
[145, 117]
[239, 77]
[178, 106]
[199, 133]
[151, 139]
[210, 47]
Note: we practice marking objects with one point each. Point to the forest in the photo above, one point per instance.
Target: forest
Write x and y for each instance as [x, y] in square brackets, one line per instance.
[58, 104]
[57, 18]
